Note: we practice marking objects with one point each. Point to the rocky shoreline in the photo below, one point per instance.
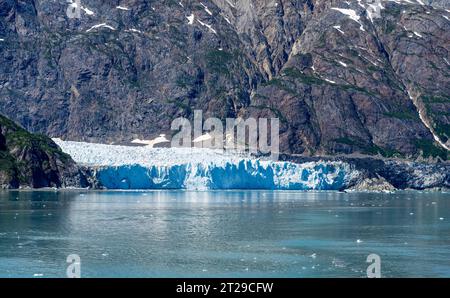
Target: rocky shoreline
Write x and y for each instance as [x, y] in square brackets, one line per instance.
[380, 174]
[34, 161]
[374, 174]
[385, 177]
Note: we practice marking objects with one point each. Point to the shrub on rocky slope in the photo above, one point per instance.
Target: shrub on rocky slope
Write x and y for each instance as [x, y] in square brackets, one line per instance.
[32, 160]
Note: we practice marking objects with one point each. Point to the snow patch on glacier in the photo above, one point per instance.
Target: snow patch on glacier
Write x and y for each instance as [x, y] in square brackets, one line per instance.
[129, 167]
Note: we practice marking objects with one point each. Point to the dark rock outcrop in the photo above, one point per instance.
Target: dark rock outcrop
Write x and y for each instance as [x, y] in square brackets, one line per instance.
[389, 174]
[339, 83]
[35, 161]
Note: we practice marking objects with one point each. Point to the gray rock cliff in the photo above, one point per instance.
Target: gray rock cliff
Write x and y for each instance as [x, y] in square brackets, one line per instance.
[340, 79]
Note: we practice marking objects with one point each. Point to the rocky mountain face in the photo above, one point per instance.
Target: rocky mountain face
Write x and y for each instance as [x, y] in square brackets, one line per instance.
[29, 160]
[375, 174]
[342, 76]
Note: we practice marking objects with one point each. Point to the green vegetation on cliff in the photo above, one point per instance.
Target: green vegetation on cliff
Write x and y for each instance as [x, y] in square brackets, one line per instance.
[31, 160]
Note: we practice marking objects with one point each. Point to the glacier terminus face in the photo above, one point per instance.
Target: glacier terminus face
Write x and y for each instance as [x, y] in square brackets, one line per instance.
[129, 167]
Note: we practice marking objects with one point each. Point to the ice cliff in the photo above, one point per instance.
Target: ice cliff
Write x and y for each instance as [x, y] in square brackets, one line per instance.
[128, 167]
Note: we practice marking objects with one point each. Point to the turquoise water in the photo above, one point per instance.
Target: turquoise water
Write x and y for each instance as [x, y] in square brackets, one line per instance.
[224, 234]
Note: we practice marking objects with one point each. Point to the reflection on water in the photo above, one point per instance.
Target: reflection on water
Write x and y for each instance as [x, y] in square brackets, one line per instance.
[223, 234]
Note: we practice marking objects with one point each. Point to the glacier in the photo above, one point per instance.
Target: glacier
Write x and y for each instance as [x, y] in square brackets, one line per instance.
[245, 174]
[131, 167]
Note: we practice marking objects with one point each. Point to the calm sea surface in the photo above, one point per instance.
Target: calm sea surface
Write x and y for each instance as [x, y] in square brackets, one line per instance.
[224, 234]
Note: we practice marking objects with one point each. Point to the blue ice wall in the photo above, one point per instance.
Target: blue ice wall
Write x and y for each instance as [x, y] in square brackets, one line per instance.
[245, 174]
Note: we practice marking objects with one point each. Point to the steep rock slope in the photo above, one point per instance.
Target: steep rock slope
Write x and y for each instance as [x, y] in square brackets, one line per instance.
[28, 160]
[340, 79]
[372, 85]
